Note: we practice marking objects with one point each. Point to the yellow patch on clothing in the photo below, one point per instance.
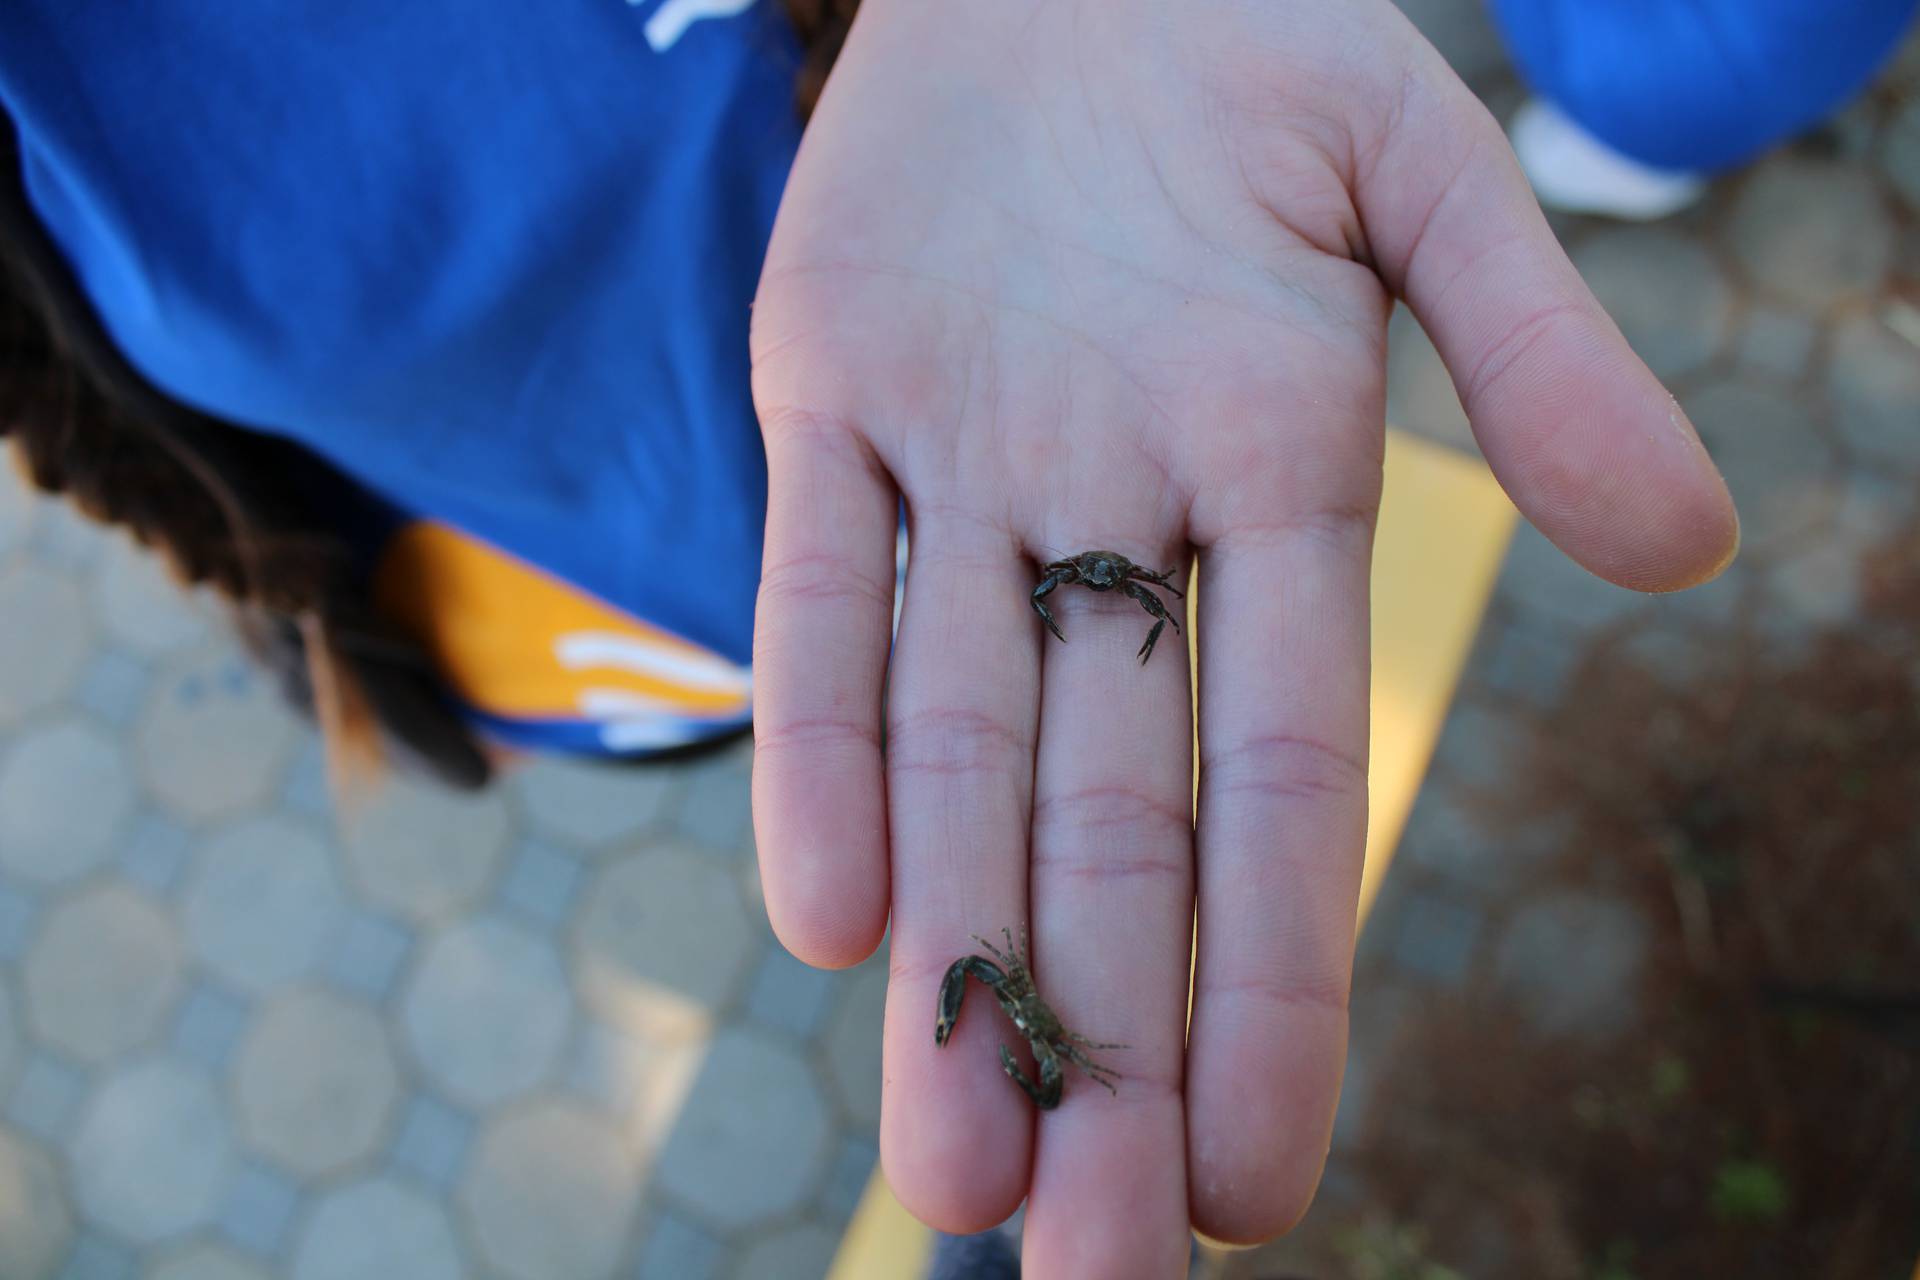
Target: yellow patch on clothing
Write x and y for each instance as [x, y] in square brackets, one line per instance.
[514, 641]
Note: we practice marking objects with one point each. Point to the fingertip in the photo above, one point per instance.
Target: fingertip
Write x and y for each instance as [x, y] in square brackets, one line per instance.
[823, 864]
[956, 1166]
[1261, 1125]
[956, 1136]
[828, 931]
[1636, 500]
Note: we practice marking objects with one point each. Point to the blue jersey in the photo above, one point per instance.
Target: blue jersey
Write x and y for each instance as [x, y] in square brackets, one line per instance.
[494, 263]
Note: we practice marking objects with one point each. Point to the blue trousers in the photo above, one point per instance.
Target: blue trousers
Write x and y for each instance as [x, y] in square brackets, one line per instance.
[1699, 84]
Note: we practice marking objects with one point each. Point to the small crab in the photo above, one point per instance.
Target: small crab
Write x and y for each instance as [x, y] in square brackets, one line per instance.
[1104, 571]
[1011, 982]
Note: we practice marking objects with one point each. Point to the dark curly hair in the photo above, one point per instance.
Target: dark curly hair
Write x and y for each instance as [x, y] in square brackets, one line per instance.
[228, 508]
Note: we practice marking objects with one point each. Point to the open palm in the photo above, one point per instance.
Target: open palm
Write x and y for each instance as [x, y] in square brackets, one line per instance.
[1060, 276]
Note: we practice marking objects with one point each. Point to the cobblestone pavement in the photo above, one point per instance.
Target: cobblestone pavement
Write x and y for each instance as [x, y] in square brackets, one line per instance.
[546, 1034]
[538, 1035]
[1784, 313]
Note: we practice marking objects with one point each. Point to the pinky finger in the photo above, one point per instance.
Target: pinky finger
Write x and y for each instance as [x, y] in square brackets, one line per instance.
[821, 633]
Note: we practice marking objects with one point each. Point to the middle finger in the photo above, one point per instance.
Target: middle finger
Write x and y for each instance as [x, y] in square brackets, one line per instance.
[1112, 908]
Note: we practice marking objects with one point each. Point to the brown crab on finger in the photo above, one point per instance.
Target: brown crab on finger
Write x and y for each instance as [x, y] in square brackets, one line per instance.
[1010, 979]
[1108, 571]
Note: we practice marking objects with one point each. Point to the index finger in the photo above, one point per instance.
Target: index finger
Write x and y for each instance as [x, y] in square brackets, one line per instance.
[1283, 635]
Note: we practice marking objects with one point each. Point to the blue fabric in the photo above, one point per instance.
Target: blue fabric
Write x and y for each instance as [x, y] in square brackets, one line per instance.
[1700, 85]
[493, 261]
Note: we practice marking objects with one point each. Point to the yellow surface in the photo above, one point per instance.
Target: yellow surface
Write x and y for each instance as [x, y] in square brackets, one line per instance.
[1444, 526]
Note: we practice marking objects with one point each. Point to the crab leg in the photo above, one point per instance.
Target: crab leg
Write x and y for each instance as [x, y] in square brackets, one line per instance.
[953, 989]
[1153, 605]
[1159, 579]
[1046, 1094]
[1054, 578]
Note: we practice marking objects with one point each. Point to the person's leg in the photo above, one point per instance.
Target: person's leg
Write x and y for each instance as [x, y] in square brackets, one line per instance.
[1644, 98]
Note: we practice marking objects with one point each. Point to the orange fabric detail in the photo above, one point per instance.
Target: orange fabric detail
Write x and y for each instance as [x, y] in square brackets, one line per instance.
[512, 640]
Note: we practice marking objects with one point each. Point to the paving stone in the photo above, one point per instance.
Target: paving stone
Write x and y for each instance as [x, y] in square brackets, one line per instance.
[716, 810]
[1679, 656]
[586, 804]
[13, 1044]
[487, 1011]
[45, 1101]
[1875, 508]
[1663, 290]
[541, 884]
[1435, 936]
[1378, 1013]
[1813, 233]
[316, 1082]
[142, 608]
[65, 794]
[1445, 837]
[1479, 746]
[1420, 393]
[643, 1082]
[605, 1066]
[550, 1193]
[209, 1027]
[1462, 32]
[663, 940]
[852, 1044]
[366, 953]
[155, 854]
[1777, 466]
[1528, 664]
[433, 1141]
[789, 996]
[112, 687]
[1540, 580]
[261, 903]
[36, 1230]
[1900, 154]
[424, 852]
[98, 1257]
[753, 1137]
[1820, 586]
[848, 1176]
[259, 1208]
[1777, 341]
[1571, 961]
[306, 790]
[62, 539]
[19, 916]
[215, 739]
[207, 1262]
[1873, 376]
[1711, 604]
[19, 506]
[44, 637]
[373, 1228]
[804, 1252]
[103, 974]
[676, 1249]
[153, 1154]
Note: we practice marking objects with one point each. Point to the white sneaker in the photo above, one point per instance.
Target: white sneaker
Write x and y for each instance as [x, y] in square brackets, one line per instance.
[1574, 171]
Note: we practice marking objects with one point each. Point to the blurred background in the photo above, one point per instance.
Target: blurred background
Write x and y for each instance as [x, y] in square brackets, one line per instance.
[1640, 997]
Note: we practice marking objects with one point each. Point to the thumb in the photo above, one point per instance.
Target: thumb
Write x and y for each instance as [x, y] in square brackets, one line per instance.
[1589, 445]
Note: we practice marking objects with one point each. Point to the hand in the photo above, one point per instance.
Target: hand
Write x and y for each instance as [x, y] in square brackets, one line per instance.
[1065, 276]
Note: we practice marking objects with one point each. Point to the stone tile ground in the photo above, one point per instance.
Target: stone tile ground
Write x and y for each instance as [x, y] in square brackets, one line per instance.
[540, 1034]
[546, 1034]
